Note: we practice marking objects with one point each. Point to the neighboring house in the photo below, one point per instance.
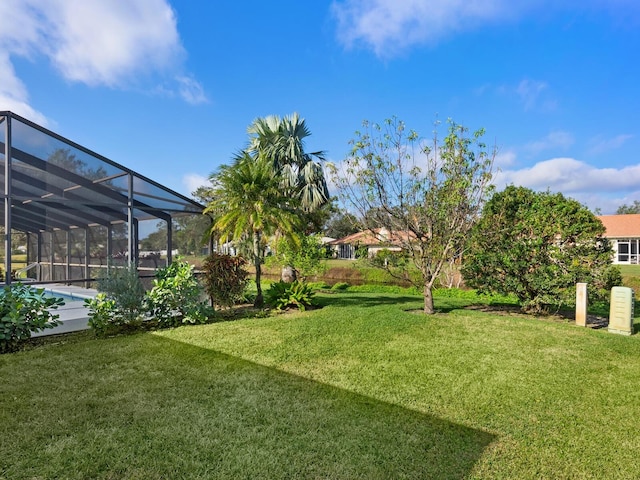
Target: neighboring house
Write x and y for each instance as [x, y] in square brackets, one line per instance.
[623, 231]
[373, 241]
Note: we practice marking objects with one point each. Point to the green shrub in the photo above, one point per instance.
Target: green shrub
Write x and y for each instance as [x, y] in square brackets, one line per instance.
[306, 256]
[225, 279]
[340, 286]
[123, 286]
[602, 285]
[120, 306]
[24, 309]
[105, 318]
[281, 295]
[176, 296]
[319, 285]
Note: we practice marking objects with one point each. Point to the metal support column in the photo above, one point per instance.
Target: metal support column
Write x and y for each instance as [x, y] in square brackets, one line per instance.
[52, 255]
[39, 257]
[7, 200]
[136, 235]
[169, 241]
[130, 226]
[109, 247]
[87, 254]
[67, 273]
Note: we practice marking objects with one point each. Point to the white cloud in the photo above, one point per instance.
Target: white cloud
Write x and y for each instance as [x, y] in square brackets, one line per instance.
[192, 181]
[390, 26]
[108, 42]
[531, 94]
[13, 94]
[604, 188]
[553, 141]
[529, 91]
[191, 91]
[504, 159]
[113, 43]
[600, 144]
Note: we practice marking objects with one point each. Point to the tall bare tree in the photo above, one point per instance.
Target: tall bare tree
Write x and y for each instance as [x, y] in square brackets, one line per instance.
[425, 196]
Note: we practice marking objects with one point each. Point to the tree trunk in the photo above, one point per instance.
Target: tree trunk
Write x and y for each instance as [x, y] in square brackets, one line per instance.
[259, 301]
[428, 300]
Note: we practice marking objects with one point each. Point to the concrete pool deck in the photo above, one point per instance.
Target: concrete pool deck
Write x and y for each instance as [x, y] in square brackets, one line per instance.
[73, 314]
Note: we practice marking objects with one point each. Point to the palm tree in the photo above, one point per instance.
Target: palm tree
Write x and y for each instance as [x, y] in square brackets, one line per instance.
[250, 197]
[281, 140]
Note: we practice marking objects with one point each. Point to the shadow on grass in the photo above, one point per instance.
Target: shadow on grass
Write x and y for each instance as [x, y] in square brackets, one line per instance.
[152, 407]
[364, 300]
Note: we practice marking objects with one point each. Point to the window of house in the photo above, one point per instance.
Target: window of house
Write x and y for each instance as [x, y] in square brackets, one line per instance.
[623, 251]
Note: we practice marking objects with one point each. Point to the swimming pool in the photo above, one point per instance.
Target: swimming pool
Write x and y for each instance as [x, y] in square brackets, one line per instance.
[68, 293]
[65, 296]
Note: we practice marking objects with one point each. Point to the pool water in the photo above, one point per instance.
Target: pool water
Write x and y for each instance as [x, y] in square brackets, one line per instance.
[65, 296]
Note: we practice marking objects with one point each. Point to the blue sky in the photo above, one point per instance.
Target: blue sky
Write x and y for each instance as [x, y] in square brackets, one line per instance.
[168, 87]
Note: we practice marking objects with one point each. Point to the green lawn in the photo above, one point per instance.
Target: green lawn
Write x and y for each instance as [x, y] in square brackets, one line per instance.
[362, 388]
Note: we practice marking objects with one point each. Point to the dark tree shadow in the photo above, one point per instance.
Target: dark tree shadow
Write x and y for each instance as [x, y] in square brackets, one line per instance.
[210, 415]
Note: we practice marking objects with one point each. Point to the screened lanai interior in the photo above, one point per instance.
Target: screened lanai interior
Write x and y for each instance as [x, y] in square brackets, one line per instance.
[69, 212]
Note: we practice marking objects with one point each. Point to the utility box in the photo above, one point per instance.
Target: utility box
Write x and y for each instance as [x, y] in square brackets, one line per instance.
[621, 311]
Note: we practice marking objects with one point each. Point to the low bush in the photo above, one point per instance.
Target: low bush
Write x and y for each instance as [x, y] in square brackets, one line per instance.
[24, 309]
[338, 286]
[106, 318]
[122, 304]
[225, 279]
[281, 295]
[123, 286]
[176, 296]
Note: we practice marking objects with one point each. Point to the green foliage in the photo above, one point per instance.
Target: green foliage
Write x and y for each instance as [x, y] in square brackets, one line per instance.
[281, 295]
[341, 224]
[273, 185]
[105, 318]
[338, 286]
[601, 289]
[319, 285]
[249, 193]
[362, 252]
[373, 288]
[389, 258]
[537, 246]
[123, 286]
[282, 142]
[24, 309]
[306, 256]
[225, 278]
[122, 304]
[425, 196]
[625, 209]
[175, 297]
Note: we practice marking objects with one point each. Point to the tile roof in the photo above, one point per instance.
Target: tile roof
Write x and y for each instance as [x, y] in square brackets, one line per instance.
[372, 237]
[364, 237]
[619, 226]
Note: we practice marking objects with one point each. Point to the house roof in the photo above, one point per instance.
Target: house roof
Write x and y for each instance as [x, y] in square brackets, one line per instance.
[371, 237]
[621, 226]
